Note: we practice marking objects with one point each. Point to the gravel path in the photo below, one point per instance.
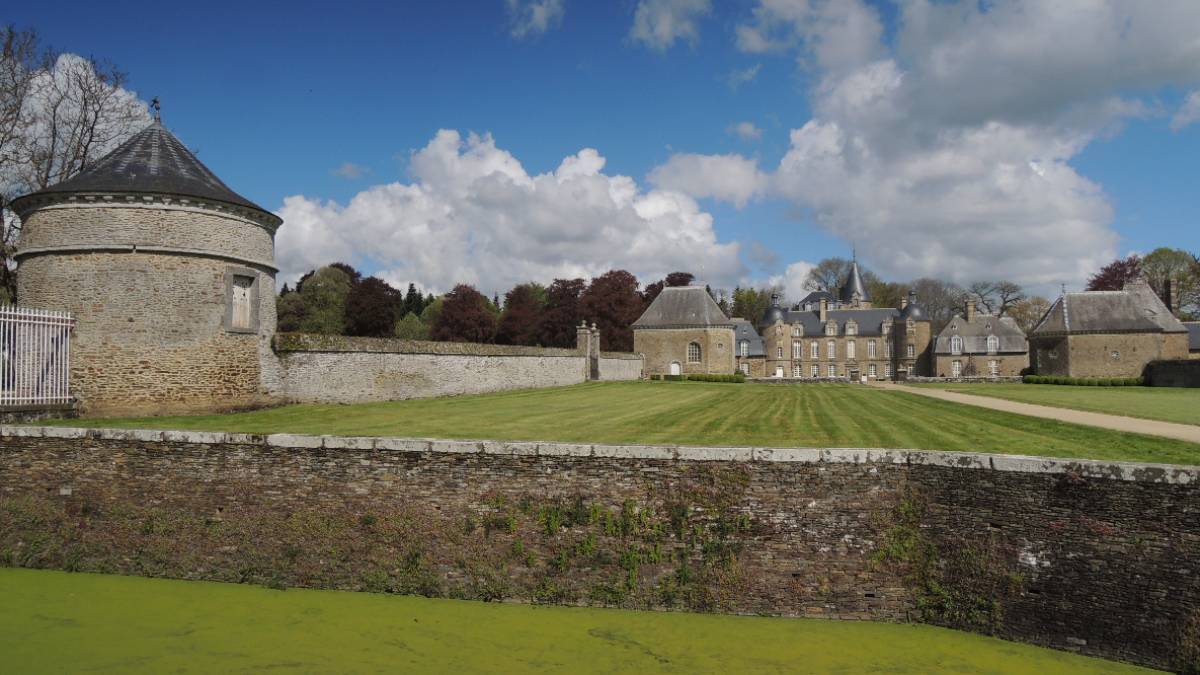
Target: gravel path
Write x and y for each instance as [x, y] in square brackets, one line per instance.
[1183, 432]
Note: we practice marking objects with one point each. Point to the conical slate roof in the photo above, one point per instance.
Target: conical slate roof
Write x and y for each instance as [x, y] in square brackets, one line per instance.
[854, 284]
[683, 306]
[153, 161]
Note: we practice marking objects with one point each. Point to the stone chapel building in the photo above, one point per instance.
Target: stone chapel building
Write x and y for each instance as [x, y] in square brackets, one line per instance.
[169, 273]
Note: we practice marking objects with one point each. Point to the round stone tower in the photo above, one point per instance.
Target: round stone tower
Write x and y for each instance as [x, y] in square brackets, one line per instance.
[169, 273]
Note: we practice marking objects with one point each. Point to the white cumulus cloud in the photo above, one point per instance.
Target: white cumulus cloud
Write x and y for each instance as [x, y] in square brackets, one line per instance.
[473, 214]
[731, 178]
[1188, 113]
[746, 131]
[658, 24]
[946, 150]
[531, 18]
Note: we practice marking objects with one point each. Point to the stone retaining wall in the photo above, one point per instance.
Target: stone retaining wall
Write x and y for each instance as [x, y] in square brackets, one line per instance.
[1098, 557]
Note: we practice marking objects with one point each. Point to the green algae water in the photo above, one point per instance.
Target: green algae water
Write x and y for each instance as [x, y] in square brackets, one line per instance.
[55, 622]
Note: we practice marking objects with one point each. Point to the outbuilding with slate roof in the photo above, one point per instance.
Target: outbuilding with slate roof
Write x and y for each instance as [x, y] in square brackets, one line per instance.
[684, 331]
[169, 273]
[974, 344]
[1106, 334]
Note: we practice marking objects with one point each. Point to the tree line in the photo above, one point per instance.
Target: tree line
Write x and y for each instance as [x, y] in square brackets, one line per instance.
[337, 299]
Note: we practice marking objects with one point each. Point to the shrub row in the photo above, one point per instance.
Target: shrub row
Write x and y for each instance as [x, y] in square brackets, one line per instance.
[1084, 381]
[736, 377]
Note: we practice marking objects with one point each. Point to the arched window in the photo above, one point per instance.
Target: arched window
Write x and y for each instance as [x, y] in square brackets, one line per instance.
[850, 351]
[956, 345]
[693, 352]
[814, 349]
[871, 349]
[993, 344]
[830, 349]
[797, 350]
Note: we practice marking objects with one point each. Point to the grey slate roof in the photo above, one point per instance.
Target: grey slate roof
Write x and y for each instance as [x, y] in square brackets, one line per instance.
[815, 297]
[975, 335]
[1136, 309]
[1193, 329]
[854, 284]
[744, 330]
[870, 321]
[153, 161]
[683, 307]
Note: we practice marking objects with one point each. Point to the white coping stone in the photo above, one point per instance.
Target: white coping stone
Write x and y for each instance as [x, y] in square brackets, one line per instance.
[21, 432]
[455, 446]
[205, 437]
[565, 449]
[1112, 470]
[522, 448]
[130, 435]
[807, 455]
[294, 441]
[634, 451]
[64, 432]
[402, 444]
[348, 442]
[716, 454]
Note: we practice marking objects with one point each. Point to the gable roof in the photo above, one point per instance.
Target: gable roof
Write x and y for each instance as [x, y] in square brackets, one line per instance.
[744, 330]
[153, 161]
[869, 321]
[975, 333]
[683, 307]
[1136, 309]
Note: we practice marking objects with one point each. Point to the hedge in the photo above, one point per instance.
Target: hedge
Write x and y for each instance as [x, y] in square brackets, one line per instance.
[736, 378]
[1084, 381]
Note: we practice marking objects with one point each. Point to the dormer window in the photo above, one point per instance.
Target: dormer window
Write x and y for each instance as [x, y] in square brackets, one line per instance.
[796, 332]
[831, 328]
[851, 328]
[956, 345]
[993, 344]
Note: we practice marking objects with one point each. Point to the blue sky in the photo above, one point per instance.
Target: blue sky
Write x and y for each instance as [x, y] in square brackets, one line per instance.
[275, 97]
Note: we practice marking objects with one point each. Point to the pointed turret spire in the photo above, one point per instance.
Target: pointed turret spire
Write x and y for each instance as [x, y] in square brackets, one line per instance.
[854, 286]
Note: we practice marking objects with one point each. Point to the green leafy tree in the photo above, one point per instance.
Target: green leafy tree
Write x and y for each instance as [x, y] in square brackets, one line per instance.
[751, 303]
[318, 305]
[1167, 269]
[465, 317]
[413, 302]
[411, 328]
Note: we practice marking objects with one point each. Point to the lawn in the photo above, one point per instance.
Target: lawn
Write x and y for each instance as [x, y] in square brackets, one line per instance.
[695, 413]
[1168, 404]
[60, 622]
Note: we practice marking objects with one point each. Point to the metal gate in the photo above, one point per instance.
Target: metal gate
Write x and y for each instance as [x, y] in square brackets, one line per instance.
[35, 358]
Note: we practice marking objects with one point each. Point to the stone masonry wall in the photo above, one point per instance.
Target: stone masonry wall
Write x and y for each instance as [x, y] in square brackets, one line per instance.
[1011, 365]
[614, 367]
[662, 346]
[1098, 557]
[335, 369]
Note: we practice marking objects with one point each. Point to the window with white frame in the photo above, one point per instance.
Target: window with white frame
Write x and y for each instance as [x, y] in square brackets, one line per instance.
[871, 371]
[832, 371]
[744, 348]
[871, 349]
[850, 350]
[745, 368]
[797, 371]
[779, 352]
[911, 351]
[956, 369]
[814, 350]
[816, 370]
[831, 349]
[693, 352]
[851, 328]
[993, 344]
[887, 370]
[887, 327]
[956, 344]
[797, 350]
[795, 331]
[993, 367]
[887, 349]
[831, 328]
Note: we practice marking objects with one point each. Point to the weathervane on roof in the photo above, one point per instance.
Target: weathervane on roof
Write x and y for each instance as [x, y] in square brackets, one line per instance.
[1064, 289]
[157, 107]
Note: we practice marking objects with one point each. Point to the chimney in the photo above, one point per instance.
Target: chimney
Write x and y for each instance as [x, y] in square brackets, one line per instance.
[824, 309]
[1172, 301]
[971, 309]
[903, 302]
